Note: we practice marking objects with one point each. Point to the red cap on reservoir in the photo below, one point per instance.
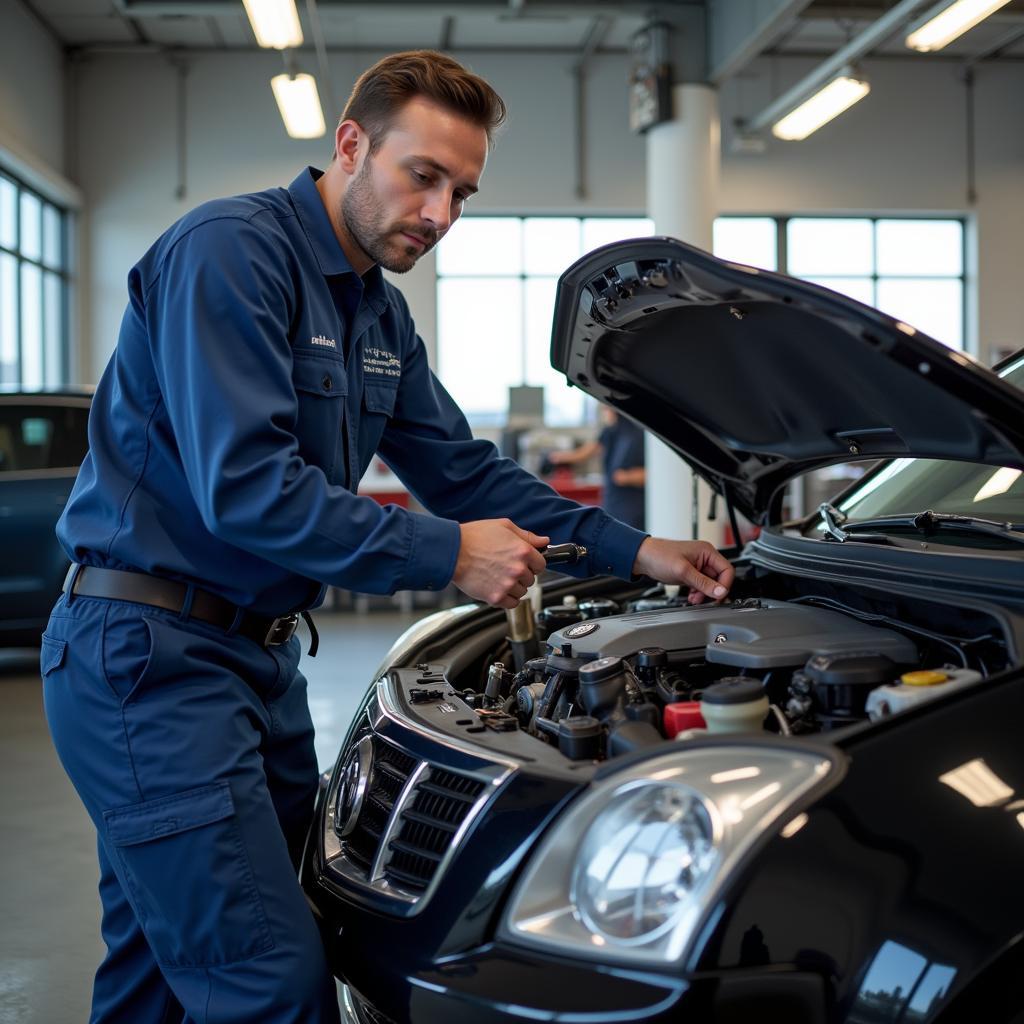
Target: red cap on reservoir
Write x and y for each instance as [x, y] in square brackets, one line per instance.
[683, 715]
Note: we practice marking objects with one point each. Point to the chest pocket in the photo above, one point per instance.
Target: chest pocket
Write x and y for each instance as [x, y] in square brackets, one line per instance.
[378, 407]
[321, 387]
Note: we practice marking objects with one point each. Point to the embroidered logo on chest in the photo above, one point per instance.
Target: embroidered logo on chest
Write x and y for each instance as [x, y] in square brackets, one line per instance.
[379, 362]
[323, 341]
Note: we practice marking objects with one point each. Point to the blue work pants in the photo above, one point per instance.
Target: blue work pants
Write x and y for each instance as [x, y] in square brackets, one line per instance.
[192, 750]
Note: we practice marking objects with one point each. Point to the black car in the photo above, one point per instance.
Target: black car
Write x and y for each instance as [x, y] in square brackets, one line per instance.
[803, 804]
[43, 441]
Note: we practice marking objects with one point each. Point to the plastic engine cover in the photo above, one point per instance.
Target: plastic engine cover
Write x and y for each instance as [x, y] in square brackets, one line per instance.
[759, 635]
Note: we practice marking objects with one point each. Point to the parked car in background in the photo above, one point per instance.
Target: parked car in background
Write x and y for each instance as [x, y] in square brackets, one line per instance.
[804, 804]
[43, 440]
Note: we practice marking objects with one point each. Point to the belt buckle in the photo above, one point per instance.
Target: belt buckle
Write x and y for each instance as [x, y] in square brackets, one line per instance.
[281, 630]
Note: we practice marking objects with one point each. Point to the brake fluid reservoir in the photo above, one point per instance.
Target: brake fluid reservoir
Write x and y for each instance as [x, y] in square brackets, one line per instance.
[915, 688]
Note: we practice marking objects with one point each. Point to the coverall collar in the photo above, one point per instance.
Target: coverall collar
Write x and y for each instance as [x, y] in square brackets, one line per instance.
[309, 208]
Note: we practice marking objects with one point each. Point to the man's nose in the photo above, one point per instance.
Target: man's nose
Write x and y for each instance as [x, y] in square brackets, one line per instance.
[437, 210]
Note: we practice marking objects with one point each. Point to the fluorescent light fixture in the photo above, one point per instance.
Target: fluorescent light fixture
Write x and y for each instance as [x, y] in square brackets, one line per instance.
[275, 23]
[829, 102]
[949, 21]
[299, 103]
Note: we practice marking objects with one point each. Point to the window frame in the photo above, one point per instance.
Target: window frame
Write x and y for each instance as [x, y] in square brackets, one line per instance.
[782, 251]
[62, 272]
[493, 420]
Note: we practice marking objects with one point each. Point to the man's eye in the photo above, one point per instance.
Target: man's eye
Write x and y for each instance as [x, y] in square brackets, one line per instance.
[420, 178]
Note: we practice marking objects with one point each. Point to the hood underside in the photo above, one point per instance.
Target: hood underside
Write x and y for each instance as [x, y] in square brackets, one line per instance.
[755, 378]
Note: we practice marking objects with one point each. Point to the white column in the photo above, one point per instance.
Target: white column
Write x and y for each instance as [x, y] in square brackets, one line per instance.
[683, 158]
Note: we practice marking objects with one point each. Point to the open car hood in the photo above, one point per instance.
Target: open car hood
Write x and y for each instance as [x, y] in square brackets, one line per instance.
[755, 378]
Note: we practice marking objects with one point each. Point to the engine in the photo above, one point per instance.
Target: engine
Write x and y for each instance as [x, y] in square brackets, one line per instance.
[611, 679]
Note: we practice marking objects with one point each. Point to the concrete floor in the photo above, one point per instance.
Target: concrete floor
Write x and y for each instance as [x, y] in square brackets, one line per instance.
[49, 910]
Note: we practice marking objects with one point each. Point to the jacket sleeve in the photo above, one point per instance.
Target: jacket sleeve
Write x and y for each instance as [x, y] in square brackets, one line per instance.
[218, 312]
[429, 446]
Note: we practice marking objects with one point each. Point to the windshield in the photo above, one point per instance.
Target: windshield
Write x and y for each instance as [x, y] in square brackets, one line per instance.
[908, 486]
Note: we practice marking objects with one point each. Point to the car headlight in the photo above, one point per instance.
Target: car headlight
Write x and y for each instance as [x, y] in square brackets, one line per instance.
[631, 868]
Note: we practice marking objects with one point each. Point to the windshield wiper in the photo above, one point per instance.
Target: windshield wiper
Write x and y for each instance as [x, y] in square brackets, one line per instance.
[835, 518]
[929, 522]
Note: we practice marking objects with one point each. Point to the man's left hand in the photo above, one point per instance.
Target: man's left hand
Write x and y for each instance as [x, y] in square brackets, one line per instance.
[691, 563]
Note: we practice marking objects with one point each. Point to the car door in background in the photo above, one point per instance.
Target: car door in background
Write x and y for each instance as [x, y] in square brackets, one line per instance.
[42, 443]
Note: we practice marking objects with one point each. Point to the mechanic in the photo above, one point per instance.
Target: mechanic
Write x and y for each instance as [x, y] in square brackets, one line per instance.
[262, 360]
[621, 443]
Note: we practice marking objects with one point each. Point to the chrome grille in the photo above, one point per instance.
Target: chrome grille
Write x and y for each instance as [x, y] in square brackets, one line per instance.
[389, 774]
[392, 820]
[441, 802]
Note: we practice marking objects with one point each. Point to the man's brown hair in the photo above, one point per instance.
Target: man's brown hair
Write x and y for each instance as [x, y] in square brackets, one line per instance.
[381, 91]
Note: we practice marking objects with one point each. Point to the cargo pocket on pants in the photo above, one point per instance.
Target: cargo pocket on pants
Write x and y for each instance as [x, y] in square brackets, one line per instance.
[189, 878]
[51, 654]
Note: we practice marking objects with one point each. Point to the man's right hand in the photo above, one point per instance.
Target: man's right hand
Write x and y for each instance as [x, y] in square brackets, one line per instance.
[498, 561]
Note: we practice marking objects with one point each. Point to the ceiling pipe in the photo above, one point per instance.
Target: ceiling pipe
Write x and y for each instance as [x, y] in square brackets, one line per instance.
[596, 34]
[321, 56]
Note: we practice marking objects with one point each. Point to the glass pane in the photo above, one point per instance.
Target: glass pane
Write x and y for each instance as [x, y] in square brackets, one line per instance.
[8, 319]
[52, 248]
[934, 306]
[31, 226]
[829, 245]
[482, 245]
[750, 240]
[860, 288]
[551, 244]
[53, 327]
[42, 437]
[8, 213]
[480, 358]
[31, 325]
[920, 247]
[563, 406]
[602, 230]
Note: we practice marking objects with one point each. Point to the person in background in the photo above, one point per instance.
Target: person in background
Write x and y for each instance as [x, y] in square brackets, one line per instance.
[621, 443]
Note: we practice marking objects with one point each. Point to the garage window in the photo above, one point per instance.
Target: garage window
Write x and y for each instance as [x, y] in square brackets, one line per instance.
[495, 298]
[910, 268]
[33, 287]
[497, 276]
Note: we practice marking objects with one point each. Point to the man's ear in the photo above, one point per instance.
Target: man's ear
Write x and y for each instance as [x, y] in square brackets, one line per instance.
[349, 142]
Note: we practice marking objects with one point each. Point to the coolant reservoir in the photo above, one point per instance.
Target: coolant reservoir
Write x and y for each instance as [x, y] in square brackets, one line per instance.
[915, 688]
[735, 704]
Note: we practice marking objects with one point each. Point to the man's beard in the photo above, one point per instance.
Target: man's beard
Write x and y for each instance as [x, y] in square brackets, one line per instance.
[360, 212]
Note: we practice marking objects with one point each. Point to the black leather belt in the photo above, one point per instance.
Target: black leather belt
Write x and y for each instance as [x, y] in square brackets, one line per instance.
[141, 588]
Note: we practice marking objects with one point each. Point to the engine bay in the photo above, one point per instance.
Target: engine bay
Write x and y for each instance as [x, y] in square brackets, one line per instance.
[598, 678]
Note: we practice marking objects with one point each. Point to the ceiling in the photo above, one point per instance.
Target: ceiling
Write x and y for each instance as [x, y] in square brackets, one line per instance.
[816, 28]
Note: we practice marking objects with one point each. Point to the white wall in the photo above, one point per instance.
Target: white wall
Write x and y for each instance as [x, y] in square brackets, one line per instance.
[902, 149]
[236, 143]
[31, 89]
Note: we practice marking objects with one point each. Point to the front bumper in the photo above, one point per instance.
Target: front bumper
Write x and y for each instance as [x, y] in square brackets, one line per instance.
[495, 987]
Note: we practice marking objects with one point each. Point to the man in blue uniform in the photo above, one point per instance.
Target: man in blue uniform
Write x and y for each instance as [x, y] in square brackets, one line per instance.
[621, 444]
[262, 360]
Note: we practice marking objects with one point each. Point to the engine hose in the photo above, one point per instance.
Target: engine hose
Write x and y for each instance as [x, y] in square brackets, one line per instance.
[552, 694]
[784, 728]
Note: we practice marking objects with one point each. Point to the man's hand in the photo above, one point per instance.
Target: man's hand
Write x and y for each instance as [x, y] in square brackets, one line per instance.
[498, 561]
[692, 563]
